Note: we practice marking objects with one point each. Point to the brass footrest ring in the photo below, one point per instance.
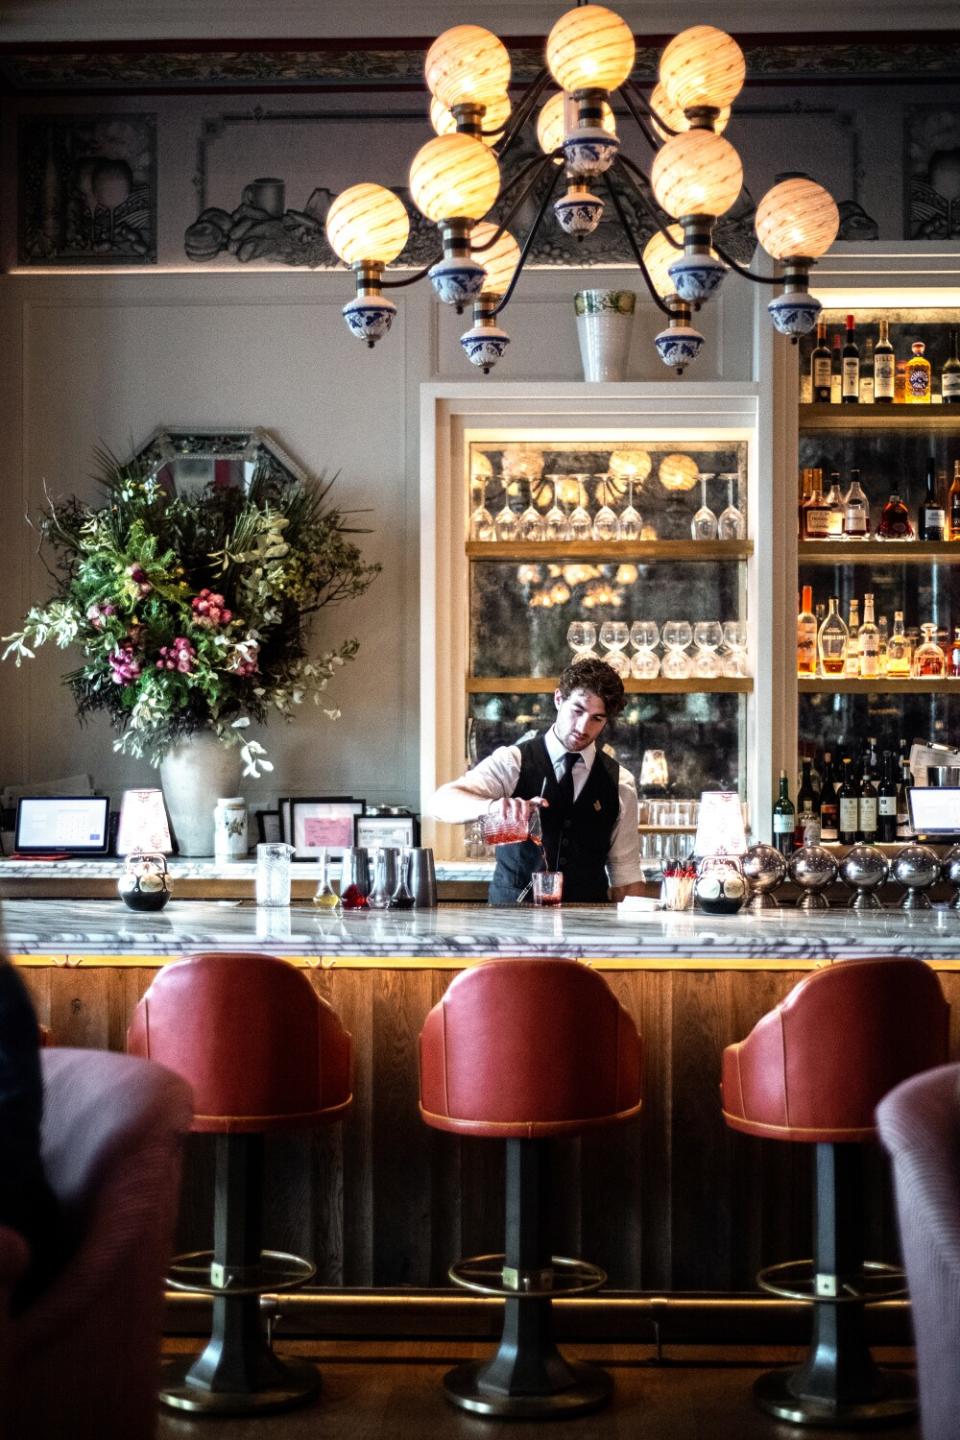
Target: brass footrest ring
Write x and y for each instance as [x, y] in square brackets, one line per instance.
[276, 1270]
[876, 1281]
[487, 1275]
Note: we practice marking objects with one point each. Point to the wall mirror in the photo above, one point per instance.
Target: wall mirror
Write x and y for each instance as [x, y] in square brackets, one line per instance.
[187, 461]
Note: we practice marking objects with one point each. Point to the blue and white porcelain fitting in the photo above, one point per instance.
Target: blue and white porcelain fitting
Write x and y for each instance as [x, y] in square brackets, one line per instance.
[696, 277]
[589, 151]
[679, 345]
[457, 280]
[578, 212]
[483, 345]
[794, 313]
[369, 317]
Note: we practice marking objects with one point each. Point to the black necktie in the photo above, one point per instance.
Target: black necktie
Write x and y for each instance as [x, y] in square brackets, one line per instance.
[565, 783]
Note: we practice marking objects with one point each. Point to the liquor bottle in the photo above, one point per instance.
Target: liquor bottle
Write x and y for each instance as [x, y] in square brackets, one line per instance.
[804, 500]
[894, 522]
[867, 373]
[829, 804]
[950, 374]
[808, 810]
[871, 759]
[835, 508]
[856, 511]
[887, 801]
[953, 664]
[898, 650]
[899, 382]
[836, 370]
[932, 518]
[869, 641]
[820, 366]
[884, 367]
[783, 818]
[904, 828]
[850, 372]
[816, 514]
[832, 641]
[851, 658]
[917, 391]
[953, 504]
[849, 804]
[807, 635]
[929, 661]
[867, 810]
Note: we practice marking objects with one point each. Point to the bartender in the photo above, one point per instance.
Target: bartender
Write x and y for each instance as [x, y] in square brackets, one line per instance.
[587, 801]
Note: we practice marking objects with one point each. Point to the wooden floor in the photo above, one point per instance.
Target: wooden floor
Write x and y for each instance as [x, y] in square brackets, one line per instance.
[392, 1392]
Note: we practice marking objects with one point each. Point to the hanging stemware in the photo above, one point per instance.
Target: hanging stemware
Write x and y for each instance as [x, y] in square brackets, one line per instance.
[482, 525]
[703, 526]
[556, 526]
[631, 521]
[731, 525]
[606, 523]
[506, 521]
[531, 525]
[581, 525]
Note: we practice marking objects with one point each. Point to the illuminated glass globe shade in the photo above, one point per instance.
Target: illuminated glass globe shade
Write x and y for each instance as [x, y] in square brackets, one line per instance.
[467, 63]
[630, 465]
[500, 261]
[672, 117]
[678, 472]
[696, 173]
[797, 218]
[552, 122]
[454, 177]
[590, 48]
[495, 116]
[703, 66]
[658, 254]
[367, 222]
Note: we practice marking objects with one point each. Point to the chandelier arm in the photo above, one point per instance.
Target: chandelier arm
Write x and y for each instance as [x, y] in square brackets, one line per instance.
[626, 94]
[504, 301]
[621, 215]
[631, 170]
[742, 270]
[411, 279]
[539, 164]
[522, 112]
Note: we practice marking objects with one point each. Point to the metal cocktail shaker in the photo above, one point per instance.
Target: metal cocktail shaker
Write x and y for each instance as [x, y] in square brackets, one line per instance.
[422, 878]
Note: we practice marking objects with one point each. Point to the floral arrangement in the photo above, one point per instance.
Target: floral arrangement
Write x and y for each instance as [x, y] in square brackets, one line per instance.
[192, 613]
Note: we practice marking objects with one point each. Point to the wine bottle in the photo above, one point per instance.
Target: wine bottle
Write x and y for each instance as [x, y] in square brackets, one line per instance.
[867, 373]
[836, 370]
[887, 801]
[849, 804]
[820, 365]
[884, 367]
[932, 519]
[783, 818]
[806, 635]
[950, 374]
[868, 640]
[867, 810]
[953, 504]
[808, 810]
[850, 372]
[856, 510]
[829, 805]
[904, 828]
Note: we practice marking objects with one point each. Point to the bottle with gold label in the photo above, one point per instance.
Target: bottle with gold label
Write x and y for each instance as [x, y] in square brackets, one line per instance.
[917, 388]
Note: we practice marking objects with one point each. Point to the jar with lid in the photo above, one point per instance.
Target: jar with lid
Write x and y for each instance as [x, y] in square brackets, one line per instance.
[230, 828]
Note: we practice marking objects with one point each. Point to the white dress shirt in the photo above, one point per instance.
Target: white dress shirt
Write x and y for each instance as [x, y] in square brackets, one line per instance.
[495, 778]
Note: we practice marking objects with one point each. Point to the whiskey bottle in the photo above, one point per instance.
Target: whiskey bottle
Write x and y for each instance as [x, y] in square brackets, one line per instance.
[932, 518]
[867, 373]
[917, 390]
[829, 804]
[884, 367]
[783, 818]
[806, 635]
[808, 810]
[816, 513]
[832, 641]
[835, 509]
[898, 650]
[868, 641]
[953, 661]
[849, 805]
[894, 522]
[856, 510]
[950, 374]
[806, 475]
[929, 661]
[867, 810]
[887, 801]
[820, 366]
[851, 659]
[953, 504]
[850, 373]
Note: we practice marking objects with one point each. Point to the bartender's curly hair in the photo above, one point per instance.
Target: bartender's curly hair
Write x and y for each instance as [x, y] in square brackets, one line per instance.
[599, 678]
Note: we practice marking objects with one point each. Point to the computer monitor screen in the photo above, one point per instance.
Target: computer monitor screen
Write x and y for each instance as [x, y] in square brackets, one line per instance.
[76, 825]
[935, 810]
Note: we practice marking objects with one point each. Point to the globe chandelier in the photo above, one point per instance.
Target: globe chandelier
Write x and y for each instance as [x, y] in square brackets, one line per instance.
[695, 177]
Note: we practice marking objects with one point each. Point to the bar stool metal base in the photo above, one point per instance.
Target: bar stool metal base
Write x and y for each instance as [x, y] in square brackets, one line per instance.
[893, 1403]
[588, 1389]
[295, 1383]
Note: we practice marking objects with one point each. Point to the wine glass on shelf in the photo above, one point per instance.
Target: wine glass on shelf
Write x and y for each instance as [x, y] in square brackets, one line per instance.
[614, 638]
[677, 635]
[645, 637]
[731, 524]
[735, 646]
[556, 526]
[481, 521]
[506, 521]
[530, 526]
[703, 526]
[707, 637]
[581, 637]
[581, 525]
[606, 523]
[631, 521]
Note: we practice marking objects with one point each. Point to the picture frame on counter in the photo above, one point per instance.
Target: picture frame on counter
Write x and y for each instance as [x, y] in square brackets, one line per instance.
[319, 822]
[269, 827]
[392, 831]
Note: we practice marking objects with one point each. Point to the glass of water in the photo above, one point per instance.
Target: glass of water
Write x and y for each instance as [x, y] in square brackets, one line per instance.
[273, 874]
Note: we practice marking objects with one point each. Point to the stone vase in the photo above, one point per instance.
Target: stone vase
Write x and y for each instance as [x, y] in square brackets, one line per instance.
[604, 329]
[194, 775]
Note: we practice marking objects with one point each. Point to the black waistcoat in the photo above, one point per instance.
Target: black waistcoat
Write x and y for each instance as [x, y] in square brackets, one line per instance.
[577, 836]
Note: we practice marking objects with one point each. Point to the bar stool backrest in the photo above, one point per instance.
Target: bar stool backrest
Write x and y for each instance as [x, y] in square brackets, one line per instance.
[260, 1048]
[526, 1048]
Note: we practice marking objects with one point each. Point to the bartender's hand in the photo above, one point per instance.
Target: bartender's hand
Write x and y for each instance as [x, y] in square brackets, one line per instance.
[515, 810]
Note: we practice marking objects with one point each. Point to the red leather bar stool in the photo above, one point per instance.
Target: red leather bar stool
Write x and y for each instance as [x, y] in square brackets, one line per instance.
[812, 1071]
[263, 1053]
[526, 1051]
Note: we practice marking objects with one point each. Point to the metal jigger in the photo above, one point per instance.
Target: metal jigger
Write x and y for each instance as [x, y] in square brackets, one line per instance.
[813, 868]
[950, 870]
[864, 868]
[766, 868]
[917, 868]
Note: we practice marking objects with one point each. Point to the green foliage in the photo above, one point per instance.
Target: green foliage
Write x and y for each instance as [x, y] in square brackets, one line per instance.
[194, 612]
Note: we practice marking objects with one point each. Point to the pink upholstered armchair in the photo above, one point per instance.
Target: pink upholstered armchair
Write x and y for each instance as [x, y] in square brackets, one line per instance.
[82, 1359]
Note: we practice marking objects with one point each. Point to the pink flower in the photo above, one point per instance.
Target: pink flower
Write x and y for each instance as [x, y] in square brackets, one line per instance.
[97, 614]
[139, 577]
[209, 610]
[179, 656]
[124, 665]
